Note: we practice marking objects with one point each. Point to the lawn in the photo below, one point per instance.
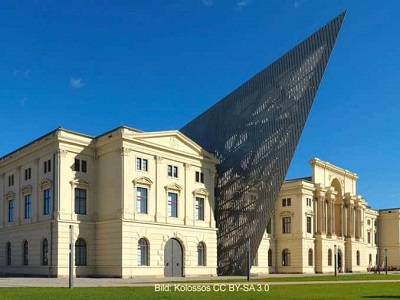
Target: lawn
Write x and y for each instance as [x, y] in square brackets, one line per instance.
[301, 291]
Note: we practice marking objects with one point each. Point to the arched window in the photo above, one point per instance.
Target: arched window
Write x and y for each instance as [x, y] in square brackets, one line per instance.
[310, 257]
[8, 254]
[201, 254]
[143, 252]
[286, 257]
[370, 259]
[269, 258]
[80, 252]
[358, 257]
[330, 257]
[45, 251]
[25, 253]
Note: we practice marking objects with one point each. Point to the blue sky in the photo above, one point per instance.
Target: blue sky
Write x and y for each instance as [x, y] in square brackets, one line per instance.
[90, 66]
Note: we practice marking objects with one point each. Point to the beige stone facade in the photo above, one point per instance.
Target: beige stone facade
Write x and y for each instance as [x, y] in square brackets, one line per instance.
[315, 215]
[127, 194]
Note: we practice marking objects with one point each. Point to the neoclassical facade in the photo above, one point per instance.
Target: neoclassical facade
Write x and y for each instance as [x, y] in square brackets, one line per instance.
[141, 204]
[313, 217]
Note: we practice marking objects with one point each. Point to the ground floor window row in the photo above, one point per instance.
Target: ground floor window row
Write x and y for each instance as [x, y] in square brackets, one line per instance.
[44, 251]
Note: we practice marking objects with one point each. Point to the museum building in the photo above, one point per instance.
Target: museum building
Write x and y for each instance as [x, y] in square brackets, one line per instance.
[141, 204]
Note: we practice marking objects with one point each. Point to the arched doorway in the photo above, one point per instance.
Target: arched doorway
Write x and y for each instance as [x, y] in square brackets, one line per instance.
[339, 261]
[173, 259]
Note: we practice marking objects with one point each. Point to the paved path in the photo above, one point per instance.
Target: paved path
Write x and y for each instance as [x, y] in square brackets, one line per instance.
[115, 282]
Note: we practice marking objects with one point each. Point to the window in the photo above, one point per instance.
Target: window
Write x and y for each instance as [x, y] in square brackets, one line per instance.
[172, 205]
[172, 171]
[141, 200]
[11, 180]
[11, 211]
[375, 238]
[287, 202]
[80, 165]
[201, 254]
[269, 258]
[143, 252]
[46, 202]
[310, 257]
[199, 208]
[28, 206]
[25, 253]
[141, 164]
[28, 173]
[8, 254]
[47, 166]
[309, 224]
[308, 201]
[369, 237]
[80, 201]
[199, 177]
[269, 225]
[368, 221]
[330, 257]
[286, 224]
[358, 257]
[370, 259]
[286, 257]
[45, 252]
[80, 252]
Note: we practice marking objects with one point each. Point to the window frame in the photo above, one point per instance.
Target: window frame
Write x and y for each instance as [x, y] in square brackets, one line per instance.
[27, 205]
[309, 224]
[286, 258]
[80, 252]
[25, 253]
[310, 257]
[172, 205]
[199, 208]
[201, 254]
[45, 253]
[142, 200]
[80, 200]
[47, 201]
[143, 250]
[286, 224]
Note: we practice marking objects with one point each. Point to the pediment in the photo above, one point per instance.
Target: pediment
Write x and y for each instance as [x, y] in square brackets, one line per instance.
[142, 180]
[79, 182]
[26, 189]
[175, 141]
[200, 191]
[173, 186]
[9, 196]
[287, 213]
[45, 183]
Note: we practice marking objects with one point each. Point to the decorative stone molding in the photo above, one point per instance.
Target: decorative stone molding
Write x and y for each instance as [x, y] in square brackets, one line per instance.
[45, 184]
[124, 151]
[142, 180]
[174, 142]
[79, 182]
[173, 186]
[158, 159]
[286, 213]
[200, 191]
[9, 196]
[61, 152]
[187, 166]
[26, 189]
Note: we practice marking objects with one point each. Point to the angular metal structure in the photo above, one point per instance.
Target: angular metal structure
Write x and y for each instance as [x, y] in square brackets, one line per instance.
[254, 132]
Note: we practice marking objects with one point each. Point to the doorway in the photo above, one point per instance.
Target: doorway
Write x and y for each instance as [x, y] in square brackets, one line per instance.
[173, 259]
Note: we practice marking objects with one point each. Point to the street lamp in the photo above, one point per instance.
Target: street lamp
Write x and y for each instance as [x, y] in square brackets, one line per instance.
[386, 265]
[334, 253]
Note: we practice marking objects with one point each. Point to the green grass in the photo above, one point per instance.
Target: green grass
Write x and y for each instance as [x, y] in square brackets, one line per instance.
[340, 277]
[302, 291]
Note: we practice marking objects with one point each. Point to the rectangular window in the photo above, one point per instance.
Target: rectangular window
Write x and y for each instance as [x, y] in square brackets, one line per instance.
[46, 202]
[80, 201]
[286, 202]
[309, 224]
[286, 225]
[84, 166]
[141, 200]
[77, 165]
[11, 211]
[173, 171]
[11, 180]
[172, 205]
[309, 202]
[47, 166]
[28, 206]
[369, 237]
[269, 226]
[28, 173]
[368, 221]
[141, 164]
[199, 208]
[199, 177]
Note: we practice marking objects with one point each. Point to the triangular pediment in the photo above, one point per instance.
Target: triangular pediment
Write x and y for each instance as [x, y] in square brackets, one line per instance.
[173, 186]
[174, 141]
[142, 180]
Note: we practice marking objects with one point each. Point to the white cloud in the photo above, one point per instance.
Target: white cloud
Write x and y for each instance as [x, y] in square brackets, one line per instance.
[207, 3]
[243, 3]
[77, 83]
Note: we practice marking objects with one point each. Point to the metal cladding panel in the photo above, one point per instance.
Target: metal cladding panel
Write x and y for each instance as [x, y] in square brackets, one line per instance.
[254, 132]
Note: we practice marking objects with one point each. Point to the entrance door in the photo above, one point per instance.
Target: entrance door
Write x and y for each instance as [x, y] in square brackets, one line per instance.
[173, 266]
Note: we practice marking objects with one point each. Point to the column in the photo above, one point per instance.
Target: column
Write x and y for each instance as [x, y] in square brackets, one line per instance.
[315, 217]
[341, 220]
[333, 216]
[320, 215]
